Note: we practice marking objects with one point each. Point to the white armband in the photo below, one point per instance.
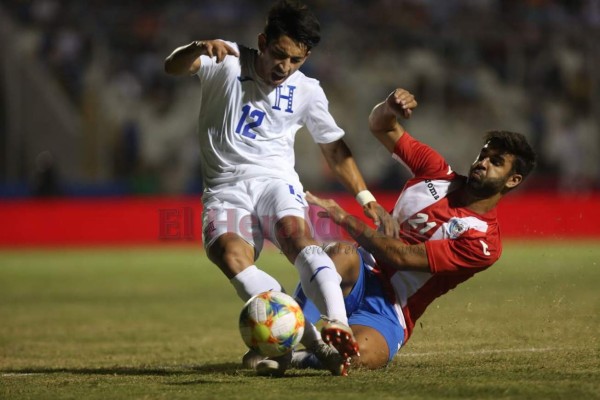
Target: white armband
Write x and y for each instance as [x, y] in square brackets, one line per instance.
[364, 197]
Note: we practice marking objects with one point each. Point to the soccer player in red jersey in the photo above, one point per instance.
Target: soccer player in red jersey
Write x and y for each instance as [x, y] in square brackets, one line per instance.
[449, 232]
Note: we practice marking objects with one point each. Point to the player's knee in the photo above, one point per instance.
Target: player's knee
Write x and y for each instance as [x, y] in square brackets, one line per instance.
[293, 235]
[374, 351]
[235, 260]
[232, 256]
[347, 262]
[292, 229]
[371, 358]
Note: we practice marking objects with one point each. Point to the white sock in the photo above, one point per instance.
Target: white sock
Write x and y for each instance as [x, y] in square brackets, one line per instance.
[321, 282]
[253, 281]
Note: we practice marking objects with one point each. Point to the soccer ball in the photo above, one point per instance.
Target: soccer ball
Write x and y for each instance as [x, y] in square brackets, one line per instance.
[271, 323]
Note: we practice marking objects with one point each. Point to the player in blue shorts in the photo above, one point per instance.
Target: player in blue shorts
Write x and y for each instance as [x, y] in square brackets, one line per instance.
[448, 233]
[367, 305]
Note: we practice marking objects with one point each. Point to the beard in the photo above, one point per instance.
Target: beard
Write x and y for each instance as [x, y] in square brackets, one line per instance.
[486, 187]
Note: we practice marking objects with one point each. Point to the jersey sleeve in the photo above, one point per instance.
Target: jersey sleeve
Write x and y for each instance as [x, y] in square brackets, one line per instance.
[422, 160]
[450, 255]
[319, 121]
[209, 67]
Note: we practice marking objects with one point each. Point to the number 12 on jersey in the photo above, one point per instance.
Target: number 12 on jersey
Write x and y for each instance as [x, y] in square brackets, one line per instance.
[256, 118]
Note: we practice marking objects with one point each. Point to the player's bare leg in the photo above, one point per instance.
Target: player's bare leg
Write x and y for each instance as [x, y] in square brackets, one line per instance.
[321, 283]
[374, 351]
[347, 263]
[231, 254]
[235, 257]
[341, 337]
[295, 240]
[373, 346]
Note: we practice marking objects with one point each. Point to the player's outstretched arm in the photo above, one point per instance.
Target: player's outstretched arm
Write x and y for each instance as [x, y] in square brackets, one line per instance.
[342, 163]
[389, 250]
[185, 60]
[383, 121]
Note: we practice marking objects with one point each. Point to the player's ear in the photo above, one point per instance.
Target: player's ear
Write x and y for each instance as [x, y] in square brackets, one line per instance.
[262, 42]
[513, 181]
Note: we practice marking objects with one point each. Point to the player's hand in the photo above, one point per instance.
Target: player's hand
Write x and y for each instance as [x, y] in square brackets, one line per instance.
[382, 219]
[332, 209]
[215, 48]
[401, 102]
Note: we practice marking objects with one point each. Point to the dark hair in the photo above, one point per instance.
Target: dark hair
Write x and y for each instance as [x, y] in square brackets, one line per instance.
[295, 20]
[515, 144]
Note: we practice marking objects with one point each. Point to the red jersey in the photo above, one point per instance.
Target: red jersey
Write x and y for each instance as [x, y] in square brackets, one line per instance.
[459, 242]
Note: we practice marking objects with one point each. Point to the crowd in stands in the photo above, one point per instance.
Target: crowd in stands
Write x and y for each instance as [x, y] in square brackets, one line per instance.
[474, 65]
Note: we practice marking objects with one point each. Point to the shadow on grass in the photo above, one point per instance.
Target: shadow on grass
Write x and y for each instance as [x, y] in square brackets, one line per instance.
[222, 368]
[241, 374]
[182, 375]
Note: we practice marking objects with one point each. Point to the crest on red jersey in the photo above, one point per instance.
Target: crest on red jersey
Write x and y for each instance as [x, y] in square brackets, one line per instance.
[456, 227]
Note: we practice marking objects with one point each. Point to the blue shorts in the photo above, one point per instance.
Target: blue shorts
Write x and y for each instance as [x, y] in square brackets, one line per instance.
[365, 305]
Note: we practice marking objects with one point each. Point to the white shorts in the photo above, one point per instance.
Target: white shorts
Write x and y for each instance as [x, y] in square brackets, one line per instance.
[250, 208]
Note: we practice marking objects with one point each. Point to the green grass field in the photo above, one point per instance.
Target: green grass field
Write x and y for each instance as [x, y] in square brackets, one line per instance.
[162, 324]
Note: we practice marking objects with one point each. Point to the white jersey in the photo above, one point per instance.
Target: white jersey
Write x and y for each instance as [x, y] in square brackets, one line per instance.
[247, 128]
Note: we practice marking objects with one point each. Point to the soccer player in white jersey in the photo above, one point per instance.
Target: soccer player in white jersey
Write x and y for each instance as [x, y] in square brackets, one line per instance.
[252, 103]
[449, 232]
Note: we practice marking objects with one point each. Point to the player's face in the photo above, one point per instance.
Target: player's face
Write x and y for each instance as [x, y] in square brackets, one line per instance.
[491, 173]
[279, 59]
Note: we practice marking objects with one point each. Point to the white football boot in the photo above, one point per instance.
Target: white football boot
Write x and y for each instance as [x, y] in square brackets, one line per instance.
[320, 356]
[274, 366]
[251, 358]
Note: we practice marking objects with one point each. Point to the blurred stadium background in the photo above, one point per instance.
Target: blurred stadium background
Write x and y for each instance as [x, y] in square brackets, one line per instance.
[98, 148]
[87, 111]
